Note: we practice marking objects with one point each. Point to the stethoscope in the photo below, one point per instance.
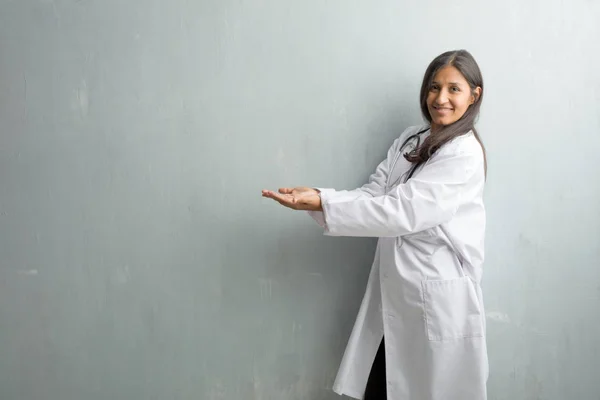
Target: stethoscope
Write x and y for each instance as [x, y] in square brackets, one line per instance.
[414, 141]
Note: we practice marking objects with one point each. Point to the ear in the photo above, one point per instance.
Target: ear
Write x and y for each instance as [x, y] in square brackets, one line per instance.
[475, 94]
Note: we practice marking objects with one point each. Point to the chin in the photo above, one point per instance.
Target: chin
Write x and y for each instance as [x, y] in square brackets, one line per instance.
[443, 122]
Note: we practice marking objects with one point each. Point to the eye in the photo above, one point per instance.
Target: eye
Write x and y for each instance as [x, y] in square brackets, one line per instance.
[434, 87]
[455, 89]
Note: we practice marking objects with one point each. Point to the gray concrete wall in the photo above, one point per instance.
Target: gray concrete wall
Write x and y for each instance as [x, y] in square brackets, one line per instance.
[137, 258]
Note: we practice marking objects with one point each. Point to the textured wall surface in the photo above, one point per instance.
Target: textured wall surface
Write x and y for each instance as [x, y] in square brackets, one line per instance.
[137, 258]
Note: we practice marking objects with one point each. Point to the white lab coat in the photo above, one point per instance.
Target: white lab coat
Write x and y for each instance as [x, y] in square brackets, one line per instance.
[423, 291]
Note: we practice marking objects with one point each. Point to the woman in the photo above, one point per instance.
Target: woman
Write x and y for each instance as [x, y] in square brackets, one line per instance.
[425, 204]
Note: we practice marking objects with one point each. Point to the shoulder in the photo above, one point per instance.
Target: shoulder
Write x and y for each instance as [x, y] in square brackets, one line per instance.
[408, 132]
[465, 153]
[412, 130]
[466, 145]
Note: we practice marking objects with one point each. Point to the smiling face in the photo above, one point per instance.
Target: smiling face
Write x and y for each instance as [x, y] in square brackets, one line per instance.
[449, 97]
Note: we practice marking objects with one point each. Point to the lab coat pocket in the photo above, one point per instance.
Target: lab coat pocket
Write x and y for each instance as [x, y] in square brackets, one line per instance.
[451, 309]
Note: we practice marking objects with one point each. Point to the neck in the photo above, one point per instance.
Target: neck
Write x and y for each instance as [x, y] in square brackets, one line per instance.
[435, 128]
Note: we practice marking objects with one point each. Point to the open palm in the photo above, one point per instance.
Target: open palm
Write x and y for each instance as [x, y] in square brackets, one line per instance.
[298, 198]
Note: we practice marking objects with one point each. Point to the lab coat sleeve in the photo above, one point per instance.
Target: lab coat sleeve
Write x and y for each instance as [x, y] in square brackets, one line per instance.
[430, 198]
[374, 187]
[318, 217]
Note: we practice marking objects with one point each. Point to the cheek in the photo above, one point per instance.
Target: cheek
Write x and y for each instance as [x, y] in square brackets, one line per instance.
[461, 105]
[430, 98]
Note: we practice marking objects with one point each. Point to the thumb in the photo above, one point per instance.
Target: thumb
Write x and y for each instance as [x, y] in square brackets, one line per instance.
[285, 190]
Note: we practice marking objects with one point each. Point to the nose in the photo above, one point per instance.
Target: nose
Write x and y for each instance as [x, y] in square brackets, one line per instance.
[441, 98]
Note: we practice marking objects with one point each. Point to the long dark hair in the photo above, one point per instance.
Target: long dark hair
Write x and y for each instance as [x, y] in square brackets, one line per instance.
[464, 62]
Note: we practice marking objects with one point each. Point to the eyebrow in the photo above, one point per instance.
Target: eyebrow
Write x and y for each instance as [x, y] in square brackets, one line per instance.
[451, 83]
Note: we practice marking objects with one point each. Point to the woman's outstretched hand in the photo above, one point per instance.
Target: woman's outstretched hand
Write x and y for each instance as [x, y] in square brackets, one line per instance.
[298, 198]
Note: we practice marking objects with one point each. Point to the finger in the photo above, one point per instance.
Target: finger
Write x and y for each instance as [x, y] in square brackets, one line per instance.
[283, 199]
[286, 190]
[271, 194]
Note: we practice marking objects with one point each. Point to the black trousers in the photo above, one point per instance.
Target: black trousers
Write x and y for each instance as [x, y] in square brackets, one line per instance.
[376, 385]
